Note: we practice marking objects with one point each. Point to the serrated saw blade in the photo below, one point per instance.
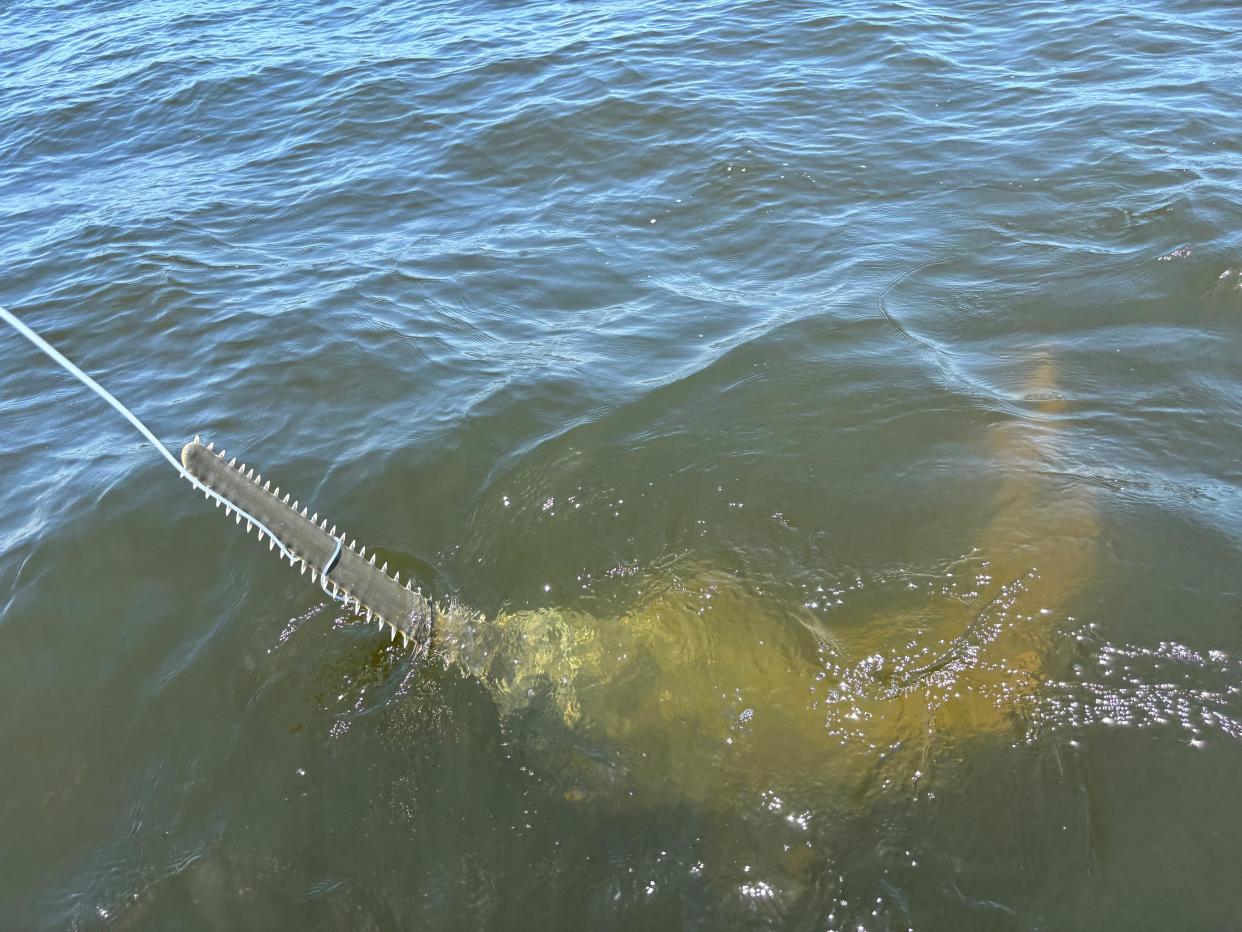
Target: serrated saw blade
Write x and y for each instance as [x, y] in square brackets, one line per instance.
[353, 579]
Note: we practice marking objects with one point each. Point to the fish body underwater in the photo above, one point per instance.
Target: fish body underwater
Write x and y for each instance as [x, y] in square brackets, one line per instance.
[711, 689]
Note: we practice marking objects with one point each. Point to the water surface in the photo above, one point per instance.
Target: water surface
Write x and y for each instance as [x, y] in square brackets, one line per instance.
[823, 419]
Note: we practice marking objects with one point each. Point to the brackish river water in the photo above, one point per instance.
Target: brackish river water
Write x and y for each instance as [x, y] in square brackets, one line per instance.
[820, 422]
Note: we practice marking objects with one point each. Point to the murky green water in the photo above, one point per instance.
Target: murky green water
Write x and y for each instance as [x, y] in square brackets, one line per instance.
[822, 423]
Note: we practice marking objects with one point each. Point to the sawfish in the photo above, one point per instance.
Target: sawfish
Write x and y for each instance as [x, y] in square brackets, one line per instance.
[708, 687]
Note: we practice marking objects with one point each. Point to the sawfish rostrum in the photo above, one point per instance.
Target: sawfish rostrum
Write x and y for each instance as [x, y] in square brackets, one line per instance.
[352, 578]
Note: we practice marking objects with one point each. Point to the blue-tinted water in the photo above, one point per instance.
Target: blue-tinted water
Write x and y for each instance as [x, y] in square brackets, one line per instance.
[831, 414]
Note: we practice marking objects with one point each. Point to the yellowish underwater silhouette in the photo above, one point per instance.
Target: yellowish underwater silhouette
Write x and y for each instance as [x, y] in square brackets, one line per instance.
[708, 690]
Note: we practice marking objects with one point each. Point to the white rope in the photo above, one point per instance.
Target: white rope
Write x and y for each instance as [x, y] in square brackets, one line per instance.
[129, 415]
